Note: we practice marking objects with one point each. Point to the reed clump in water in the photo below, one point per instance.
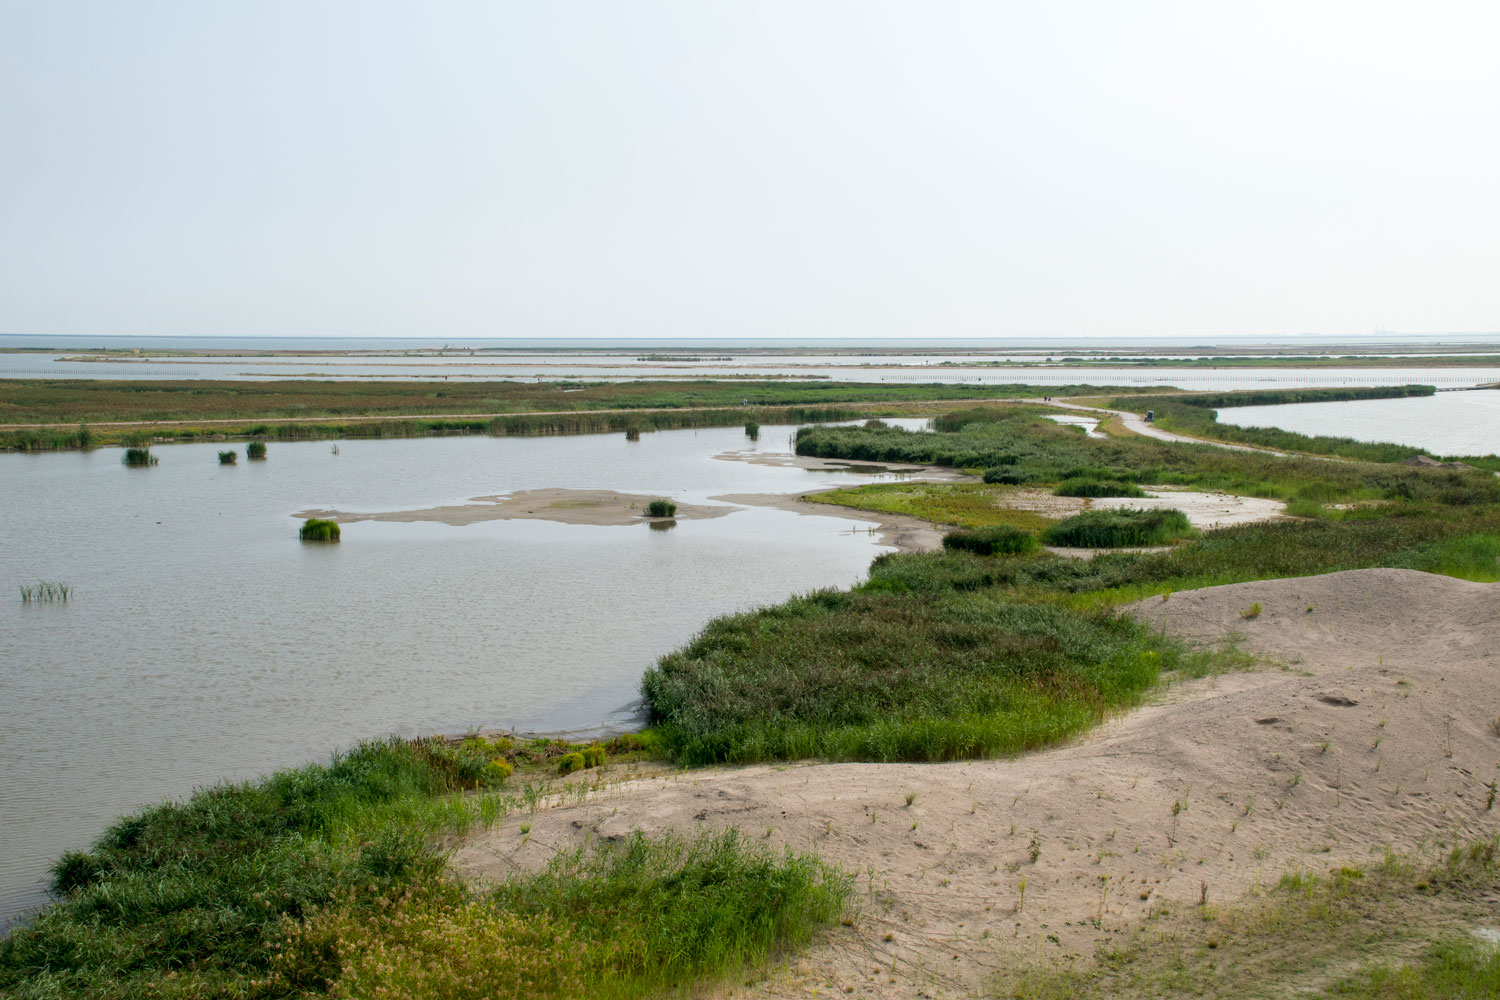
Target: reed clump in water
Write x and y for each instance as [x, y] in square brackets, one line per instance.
[138, 458]
[752, 430]
[228, 457]
[661, 508]
[45, 592]
[316, 529]
[256, 451]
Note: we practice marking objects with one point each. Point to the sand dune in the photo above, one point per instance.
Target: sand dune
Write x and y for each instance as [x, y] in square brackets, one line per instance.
[1377, 730]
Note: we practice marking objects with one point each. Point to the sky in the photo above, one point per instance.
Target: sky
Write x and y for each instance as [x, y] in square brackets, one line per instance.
[763, 168]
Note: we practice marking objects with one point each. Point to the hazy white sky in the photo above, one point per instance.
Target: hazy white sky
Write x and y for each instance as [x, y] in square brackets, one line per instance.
[749, 169]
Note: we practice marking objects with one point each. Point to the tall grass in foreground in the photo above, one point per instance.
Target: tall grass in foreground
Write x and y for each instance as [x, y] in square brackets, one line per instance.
[45, 592]
[324, 880]
[866, 676]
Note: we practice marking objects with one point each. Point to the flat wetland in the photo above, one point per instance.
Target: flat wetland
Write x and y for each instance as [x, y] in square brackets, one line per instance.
[203, 641]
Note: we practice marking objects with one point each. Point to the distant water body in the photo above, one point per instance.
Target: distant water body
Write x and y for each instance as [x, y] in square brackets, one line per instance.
[1449, 423]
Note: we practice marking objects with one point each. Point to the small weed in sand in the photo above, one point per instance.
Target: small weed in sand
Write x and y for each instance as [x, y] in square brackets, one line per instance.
[911, 797]
[1253, 611]
[1034, 847]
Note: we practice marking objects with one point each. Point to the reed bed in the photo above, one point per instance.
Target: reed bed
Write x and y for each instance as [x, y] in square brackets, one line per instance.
[138, 458]
[1083, 486]
[228, 457]
[256, 451]
[45, 592]
[996, 540]
[661, 508]
[316, 529]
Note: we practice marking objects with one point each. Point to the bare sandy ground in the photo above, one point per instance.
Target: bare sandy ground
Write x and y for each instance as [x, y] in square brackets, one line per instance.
[568, 506]
[1379, 730]
[1203, 510]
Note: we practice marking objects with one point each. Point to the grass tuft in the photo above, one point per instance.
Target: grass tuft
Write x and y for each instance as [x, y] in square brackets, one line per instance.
[228, 457]
[318, 530]
[998, 540]
[138, 458]
[1105, 529]
[661, 508]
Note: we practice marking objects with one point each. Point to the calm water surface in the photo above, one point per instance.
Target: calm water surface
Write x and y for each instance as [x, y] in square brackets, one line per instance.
[205, 642]
[857, 368]
[1449, 423]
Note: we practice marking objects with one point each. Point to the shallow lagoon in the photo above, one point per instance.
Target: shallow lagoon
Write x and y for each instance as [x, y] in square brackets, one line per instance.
[1449, 423]
[205, 642]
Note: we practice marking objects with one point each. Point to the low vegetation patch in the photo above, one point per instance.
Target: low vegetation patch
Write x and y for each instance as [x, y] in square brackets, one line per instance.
[872, 676]
[661, 508]
[1112, 529]
[1081, 486]
[326, 880]
[138, 458]
[256, 451]
[1400, 931]
[995, 541]
[315, 529]
[228, 457]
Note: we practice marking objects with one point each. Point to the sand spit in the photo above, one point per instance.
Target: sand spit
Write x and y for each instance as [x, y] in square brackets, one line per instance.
[1378, 730]
[905, 534]
[603, 507]
[786, 460]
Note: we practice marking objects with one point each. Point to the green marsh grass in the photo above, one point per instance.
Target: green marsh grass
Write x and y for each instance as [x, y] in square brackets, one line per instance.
[872, 676]
[318, 530]
[45, 592]
[327, 879]
[992, 541]
[1082, 486]
[138, 458]
[752, 430]
[228, 457]
[256, 451]
[1110, 529]
[661, 508]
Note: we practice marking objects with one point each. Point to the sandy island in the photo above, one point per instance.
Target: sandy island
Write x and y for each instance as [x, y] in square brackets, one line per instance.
[1370, 726]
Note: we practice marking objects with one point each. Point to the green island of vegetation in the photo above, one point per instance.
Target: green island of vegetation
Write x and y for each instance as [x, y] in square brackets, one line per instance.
[332, 879]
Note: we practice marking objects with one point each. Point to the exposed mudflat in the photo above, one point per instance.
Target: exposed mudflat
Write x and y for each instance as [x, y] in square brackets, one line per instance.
[604, 507]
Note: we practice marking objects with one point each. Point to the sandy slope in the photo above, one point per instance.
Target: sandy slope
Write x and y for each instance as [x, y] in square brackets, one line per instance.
[1377, 732]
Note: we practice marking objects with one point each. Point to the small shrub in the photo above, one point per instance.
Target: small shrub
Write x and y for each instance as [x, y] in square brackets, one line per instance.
[256, 450]
[139, 458]
[593, 755]
[570, 762]
[1104, 529]
[993, 541]
[228, 457]
[752, 430]
[1086, 487]
[1253, 611]
[318, 530]
[661, 508]
[498, 770]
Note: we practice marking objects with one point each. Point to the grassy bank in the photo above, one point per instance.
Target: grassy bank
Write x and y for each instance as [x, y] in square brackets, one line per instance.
[325, 880]
[952, 654]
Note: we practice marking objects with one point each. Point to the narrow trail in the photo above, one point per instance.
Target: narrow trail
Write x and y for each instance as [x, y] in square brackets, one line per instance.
[1137, 424]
